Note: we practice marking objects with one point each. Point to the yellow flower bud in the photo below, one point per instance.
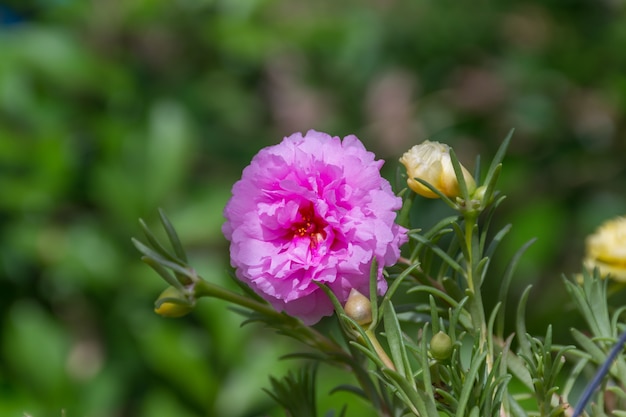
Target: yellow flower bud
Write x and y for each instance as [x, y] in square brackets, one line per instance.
[358, 307]
[606, 249]
[431, 162]
[441, 346]
[172, 303]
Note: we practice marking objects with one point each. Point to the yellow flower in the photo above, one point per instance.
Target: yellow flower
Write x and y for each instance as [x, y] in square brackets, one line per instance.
[431, 162]
[606, 249]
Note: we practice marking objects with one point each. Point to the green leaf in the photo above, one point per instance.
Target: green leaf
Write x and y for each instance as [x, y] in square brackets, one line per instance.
[481, 270]
[492, 319]
[455, 317]
[458, 172]
[435, 291]
[448, 398]
[495, 242]
[420, 403]
[173, 236]
[477, 168]
[468, 385]
[156, 257]
[573, 376]
[395, 284]
[452, 288]
[152, 240]
[444, 256]
[491, 184]
[434, 314]
[370, 353]
[521, 323]
[443, 197]
[615, 320]
[374, 293]
[577, 293]
[396, 342]
[591, 300]
[426, 377]
[351, 389]
[460, 235]
[588, 346]
[497, 160]
[338, 308]
[506, 282]
[296, 393]
[169, 278]
[405, 211]
[514, 408]
[440, 227]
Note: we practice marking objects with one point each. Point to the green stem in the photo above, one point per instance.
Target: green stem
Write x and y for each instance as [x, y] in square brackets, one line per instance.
[470, 221]
[306, 334]
[476, 307]
[203, 288]
[379, 349]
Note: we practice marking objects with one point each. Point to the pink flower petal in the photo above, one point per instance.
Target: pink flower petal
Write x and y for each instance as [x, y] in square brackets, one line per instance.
[312, 209]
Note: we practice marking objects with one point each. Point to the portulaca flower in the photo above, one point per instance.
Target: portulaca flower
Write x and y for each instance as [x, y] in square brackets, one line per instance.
[313, 208]
[606, 249]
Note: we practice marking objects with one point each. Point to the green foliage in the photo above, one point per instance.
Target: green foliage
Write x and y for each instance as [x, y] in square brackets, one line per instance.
[466, 368]
[544, 371]
[296, 393]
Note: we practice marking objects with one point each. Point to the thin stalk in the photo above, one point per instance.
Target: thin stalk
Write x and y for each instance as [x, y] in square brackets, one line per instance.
[379, 349]
[477, 310]
[203, 288]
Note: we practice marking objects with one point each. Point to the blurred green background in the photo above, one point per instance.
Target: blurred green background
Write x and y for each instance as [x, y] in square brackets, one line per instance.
[110, 109]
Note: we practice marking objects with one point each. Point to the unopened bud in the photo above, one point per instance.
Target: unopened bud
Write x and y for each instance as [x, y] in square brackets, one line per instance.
[431, 162]
[172, 303]
[441, 346]
[359, 308]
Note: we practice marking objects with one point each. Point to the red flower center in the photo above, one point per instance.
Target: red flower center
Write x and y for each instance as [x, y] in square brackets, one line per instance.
[310, 225]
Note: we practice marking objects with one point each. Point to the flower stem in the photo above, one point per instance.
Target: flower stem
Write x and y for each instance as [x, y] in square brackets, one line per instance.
[476, 307]
[298, 330]
[203, 288]
[379, 350]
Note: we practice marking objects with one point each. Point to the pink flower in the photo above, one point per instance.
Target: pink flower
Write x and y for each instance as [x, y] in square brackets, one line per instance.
[312, 208]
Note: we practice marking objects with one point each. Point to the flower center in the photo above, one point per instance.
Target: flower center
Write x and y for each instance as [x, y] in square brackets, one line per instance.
[309, 225]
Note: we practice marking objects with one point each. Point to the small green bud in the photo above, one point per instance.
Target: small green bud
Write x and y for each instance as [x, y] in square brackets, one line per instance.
[441, 346]
[172, 303]
[479, 195]
[359, 308]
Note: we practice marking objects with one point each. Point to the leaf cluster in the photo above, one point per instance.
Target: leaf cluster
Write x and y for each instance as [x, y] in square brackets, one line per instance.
[437, 288]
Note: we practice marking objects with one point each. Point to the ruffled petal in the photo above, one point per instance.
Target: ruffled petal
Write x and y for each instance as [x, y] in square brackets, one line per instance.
[313, 208]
